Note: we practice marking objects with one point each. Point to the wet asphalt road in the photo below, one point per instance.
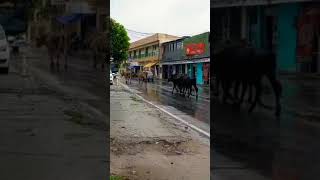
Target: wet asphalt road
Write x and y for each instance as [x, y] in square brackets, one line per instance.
[47, 130]
[160, 92]
[285, 148]
[80, 75]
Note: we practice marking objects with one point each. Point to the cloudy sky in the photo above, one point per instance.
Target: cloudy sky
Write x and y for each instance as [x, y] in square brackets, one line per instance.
[175, 17]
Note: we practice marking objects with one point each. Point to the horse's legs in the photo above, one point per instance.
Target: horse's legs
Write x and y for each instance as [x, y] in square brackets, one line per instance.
[196, 89]
[224, 89]
[277, 89]
[250, 92]
[236, 91]
[258, 94]
[244, 89]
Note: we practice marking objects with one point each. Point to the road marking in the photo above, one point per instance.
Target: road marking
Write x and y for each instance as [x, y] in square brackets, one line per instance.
[169, 113]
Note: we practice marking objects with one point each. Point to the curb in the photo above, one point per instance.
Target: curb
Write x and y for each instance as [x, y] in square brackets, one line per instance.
[206, 134]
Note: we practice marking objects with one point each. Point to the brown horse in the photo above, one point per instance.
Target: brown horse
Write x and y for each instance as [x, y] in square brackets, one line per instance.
[57, 44]
[128, 77]
[99, 46]
[142, 76]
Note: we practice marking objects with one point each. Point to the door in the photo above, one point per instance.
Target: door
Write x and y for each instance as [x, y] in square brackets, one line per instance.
[194, 71]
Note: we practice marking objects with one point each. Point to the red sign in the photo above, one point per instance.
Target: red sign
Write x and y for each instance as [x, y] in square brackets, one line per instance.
[195, 49]
[307, 27]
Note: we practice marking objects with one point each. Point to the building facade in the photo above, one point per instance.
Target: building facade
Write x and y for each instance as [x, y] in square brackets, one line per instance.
[289, 28]
[80, 16]
[145, 54]
[188, 55]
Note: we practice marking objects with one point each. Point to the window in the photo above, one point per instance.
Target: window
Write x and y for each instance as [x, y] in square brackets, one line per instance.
[179, 45]
[134, 54]
[147, 51]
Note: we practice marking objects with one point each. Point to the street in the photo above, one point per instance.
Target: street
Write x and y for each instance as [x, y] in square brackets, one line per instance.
[159, 92]
[260, 146]
[53, 124]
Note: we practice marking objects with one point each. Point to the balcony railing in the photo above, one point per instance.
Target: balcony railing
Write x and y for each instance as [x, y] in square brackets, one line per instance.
[143, 56]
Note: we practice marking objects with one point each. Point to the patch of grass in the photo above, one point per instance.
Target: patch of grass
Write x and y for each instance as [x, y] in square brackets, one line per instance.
[116, 178]
[134, 98]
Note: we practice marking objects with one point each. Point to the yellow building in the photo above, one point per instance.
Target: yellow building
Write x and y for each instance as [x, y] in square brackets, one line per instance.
[145, 54]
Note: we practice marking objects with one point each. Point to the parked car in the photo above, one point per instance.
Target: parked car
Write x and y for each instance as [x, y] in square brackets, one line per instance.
[115, 74]
[4, 51]
[111, 78]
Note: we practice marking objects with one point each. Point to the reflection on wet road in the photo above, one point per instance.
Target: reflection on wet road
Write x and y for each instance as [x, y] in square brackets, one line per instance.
[280, 149]
[160, 93]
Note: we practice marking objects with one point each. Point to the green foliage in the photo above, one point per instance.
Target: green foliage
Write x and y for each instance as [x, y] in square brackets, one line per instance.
[119, 42]
[116, 178]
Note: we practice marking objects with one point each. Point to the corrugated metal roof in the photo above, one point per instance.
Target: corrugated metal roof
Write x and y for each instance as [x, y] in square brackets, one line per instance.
[158, 37]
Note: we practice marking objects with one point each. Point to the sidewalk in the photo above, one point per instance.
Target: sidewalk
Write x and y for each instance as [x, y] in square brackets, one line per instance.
[148, 144]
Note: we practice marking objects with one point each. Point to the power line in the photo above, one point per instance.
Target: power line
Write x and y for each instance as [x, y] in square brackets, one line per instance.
[137, 32]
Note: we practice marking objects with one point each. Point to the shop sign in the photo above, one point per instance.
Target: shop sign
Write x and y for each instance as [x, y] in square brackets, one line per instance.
[304, 47]
[306, 30]
[195, 49]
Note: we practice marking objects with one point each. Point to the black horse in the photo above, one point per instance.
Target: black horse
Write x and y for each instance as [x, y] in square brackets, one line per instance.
[177, 83]
[183, 85]
[188, 83]
[235, 66]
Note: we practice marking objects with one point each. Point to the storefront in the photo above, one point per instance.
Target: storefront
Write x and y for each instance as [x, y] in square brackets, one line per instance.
[206, 73]
[308, 27]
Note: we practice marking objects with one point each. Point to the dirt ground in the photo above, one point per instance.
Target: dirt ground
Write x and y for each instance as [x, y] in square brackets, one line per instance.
[147, 144]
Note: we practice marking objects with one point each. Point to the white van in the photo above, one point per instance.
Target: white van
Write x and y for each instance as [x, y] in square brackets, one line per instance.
[4, 51]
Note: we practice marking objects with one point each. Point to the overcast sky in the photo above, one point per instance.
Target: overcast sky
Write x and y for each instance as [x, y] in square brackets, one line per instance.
[175, 17]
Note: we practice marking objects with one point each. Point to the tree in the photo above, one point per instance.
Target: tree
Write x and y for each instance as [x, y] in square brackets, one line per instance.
[119, 42]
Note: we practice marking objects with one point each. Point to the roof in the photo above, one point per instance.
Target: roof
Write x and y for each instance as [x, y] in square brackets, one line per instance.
[235, 3]
[179, 39]
[158, 37]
